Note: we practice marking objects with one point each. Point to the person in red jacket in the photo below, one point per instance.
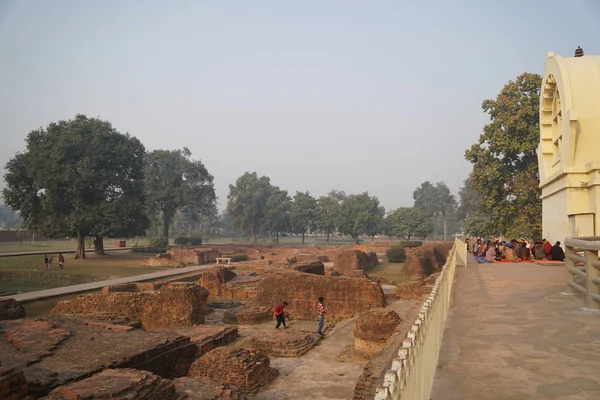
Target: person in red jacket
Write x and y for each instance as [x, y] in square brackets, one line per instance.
[280, 315]
[547, 248]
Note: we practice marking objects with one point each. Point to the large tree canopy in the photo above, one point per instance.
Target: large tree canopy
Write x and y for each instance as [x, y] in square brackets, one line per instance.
[79, 178]
[329, 212]
[361, 214]
[505, 169]
[407, 223]
[175, 182]
[303, 214]
[277, 216]
[470, 211]
[247, 203]
[435, 201]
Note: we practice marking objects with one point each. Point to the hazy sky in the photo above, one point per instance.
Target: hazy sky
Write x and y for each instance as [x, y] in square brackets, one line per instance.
[317, 95]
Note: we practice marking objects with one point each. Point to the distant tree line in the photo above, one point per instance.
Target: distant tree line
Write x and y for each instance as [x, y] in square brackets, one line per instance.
[82, 178]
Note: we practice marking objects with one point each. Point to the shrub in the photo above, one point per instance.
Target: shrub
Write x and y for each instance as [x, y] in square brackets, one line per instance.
[159, 243]
[195, 241]
[239, 257]
[411, 243]
[396, 254]
[182, 241]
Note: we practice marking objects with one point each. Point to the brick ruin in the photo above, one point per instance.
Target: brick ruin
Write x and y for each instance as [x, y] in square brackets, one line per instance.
[317, 268]
[174, 304]
[53, 350]
[284, 343]
[205, 389]
[372, 330]
[349, 261]
[13, 385]
[208, 337]
[243, 368]
[181, 256]
[223, 283]
[118, 384]
[248, 314]
[11, 309]
[421, 269]
[345, 297]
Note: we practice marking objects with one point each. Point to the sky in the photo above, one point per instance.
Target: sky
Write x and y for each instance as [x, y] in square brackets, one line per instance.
[374, 96]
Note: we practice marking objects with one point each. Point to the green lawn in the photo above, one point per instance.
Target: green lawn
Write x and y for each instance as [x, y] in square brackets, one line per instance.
[26, 273]
[389, 271]
[58, 245]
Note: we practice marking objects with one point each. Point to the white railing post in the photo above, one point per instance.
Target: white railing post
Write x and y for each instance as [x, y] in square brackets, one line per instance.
[569, 263]
[593, 291]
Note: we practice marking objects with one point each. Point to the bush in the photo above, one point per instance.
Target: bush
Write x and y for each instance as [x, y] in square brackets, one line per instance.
[411, 243]
[396, 254]
[239, 257]
[195, 241]
[182, 241]
[159, 243]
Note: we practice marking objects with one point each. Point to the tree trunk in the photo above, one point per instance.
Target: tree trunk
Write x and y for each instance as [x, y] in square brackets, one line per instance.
[165, 225]
[99, 246]
[80, 253]
[356, 240]
[445, 226]
[302, 237]
[277, 237]
[327, 237]
[254, 239]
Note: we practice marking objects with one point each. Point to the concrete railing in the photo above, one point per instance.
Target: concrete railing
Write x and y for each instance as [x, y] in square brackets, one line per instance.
[581, 268]
[410, 376]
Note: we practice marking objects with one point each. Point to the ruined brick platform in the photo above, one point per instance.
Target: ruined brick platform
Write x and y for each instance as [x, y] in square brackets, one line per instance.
[349, 261]
[209, 337]
[283, 343]
[205, 389]
[56, 349]
[248, 314]
[223, 283]
[243, 368]
[317, 268]
[175, 304]
[118, 384]
[372, 330]
[345, 297]
[13, 385]
[11, 309]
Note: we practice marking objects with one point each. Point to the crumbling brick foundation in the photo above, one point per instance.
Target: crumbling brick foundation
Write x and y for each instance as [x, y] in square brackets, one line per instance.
[284, 343]
[205, 389]
[248, 314]
[372, 330]
[243, 368]
[223, 283]
[345, 297]
[175, 304]
[13, 385]
[118, 384]
[349, 261]
[317, 268]
[11, 309]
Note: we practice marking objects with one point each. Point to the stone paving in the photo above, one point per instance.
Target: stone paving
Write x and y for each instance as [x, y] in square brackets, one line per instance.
[513, 334]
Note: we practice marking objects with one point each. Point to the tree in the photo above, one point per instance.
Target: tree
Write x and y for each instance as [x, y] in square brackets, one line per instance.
[435, 201]
[361, 214]
[175, 182]
[329, 212]
[79, 178]
[277, 216]
[407, 223]
[470, 200]
[478, 225]
[505, 169]
[303, 214]
[247, 203]
[8, 218]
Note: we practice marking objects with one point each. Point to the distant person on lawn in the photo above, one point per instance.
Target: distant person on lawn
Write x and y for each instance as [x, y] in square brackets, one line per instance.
[280, 315]
[61, 261]
[321, 310]
[46, 262]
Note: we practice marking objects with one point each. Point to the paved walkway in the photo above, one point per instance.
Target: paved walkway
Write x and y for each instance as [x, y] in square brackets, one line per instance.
[43, 294]
[513, 334]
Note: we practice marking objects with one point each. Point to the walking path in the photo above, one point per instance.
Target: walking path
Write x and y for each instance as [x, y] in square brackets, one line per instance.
[513, 334]
[54, 251]
[42, 294]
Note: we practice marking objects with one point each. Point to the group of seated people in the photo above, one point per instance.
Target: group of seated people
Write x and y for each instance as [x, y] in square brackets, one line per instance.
[488, 251]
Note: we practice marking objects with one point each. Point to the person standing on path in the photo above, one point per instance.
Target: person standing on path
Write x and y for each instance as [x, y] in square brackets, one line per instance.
[321, 310]
[61, 261]
[46, 262]
[280, 315]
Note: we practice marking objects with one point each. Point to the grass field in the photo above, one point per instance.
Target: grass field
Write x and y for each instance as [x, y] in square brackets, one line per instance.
[58, 245]
[389, 271]
[26, 273]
